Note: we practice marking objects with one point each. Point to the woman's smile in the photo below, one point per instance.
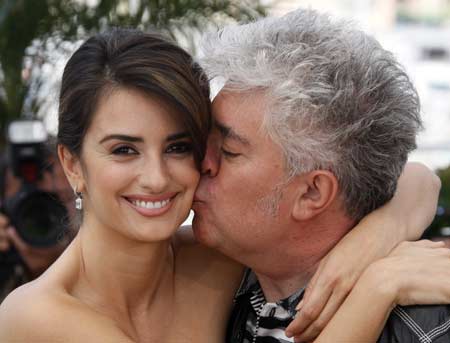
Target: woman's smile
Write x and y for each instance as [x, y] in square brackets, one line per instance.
[139, 168]
[151, 206]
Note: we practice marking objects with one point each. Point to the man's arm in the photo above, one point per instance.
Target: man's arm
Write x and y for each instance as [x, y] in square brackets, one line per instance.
[405, 217]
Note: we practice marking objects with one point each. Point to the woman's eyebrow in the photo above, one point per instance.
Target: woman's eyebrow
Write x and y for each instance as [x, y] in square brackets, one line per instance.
[126, 138]
[177, 136]
[134, 139]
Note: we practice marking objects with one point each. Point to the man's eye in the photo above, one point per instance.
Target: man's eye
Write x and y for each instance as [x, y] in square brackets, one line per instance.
[179, 148]
[124, 150]
[230, 154]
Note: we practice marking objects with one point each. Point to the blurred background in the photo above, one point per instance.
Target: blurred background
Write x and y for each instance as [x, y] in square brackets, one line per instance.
[38, 36]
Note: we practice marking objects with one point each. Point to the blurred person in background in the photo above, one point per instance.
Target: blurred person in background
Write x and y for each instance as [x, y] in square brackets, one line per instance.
[28, 260]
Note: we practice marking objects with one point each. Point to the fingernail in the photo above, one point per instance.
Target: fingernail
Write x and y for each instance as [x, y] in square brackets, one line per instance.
[288, 333]
[299, 305]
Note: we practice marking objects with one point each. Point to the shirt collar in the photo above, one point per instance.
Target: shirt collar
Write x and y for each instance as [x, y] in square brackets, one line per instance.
[250, 286]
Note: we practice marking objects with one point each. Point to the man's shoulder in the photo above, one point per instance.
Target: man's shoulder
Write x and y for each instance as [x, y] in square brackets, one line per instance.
[420, 323]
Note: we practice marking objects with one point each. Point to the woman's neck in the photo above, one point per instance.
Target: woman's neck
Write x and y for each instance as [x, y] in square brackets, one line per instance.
[120, 274]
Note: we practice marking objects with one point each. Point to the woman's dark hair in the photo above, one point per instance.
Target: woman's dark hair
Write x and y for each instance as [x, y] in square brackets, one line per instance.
[128, 58]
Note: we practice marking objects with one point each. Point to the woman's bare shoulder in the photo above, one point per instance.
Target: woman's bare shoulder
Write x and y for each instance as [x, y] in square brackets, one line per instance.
[205, 280]
[34, 313]
[198, 258]
[205, 272]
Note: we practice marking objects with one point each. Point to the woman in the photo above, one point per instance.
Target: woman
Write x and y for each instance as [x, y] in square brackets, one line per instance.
[133, 124]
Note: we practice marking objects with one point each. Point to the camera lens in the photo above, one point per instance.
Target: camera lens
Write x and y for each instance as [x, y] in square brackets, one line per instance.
[39, 218]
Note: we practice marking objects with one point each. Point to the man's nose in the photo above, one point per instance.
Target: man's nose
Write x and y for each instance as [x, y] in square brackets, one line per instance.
[211, 162]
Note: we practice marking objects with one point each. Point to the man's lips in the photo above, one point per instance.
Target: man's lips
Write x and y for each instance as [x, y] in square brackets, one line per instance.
[197, 199]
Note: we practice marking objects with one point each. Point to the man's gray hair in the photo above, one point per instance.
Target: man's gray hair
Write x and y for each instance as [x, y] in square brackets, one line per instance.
[339, 101]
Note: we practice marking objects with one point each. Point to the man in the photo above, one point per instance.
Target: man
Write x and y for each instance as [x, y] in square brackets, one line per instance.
[33, 260]
[312, 130]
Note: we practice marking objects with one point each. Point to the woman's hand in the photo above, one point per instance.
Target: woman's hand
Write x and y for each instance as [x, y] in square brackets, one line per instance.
[4, 239]
[405, 217]
[414, 273]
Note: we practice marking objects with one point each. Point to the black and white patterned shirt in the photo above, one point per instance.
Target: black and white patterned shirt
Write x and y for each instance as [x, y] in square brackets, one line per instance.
[255, 320]
[267, 320]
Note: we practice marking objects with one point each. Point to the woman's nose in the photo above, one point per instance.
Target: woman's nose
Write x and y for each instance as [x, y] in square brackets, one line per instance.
[155, 176]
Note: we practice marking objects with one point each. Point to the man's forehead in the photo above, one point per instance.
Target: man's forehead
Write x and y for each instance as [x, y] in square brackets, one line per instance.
[231, 133]
[238, 114]
[231, 105]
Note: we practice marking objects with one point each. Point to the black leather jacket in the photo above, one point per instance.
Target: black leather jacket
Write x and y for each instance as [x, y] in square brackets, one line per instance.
[409, 324]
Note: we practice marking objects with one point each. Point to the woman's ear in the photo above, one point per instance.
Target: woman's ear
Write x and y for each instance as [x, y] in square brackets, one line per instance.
[72, 168]
[316, 191]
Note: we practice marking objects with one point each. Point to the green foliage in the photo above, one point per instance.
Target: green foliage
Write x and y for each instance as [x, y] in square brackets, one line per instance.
[442, 218]
[434, 17]
[23, 22]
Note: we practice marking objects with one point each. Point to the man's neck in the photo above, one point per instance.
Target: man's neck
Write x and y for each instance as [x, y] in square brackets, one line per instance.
[291, 264]
[276, 289]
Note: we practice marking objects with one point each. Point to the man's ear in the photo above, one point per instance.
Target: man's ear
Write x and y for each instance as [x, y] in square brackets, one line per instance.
[72, 168]
[316, 191]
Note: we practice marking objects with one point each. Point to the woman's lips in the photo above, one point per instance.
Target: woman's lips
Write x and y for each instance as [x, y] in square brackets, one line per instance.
[151, 206]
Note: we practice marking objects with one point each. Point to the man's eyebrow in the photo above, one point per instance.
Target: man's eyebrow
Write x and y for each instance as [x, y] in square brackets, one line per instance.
[228, 132]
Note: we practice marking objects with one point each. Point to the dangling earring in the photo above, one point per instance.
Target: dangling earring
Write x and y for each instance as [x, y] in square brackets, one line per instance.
[78, 200]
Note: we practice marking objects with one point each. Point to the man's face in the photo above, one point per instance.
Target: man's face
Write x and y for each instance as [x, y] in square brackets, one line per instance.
[55, 180]
[242, 200]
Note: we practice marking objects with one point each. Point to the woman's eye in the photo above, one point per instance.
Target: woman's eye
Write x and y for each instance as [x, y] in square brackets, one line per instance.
[179, 148]
[124, 150]
[230, 154]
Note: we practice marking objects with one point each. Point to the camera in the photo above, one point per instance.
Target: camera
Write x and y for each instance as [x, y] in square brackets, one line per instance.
[38, 216]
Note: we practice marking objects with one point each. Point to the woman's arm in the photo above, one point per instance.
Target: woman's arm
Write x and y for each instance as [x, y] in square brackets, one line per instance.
[414, 273]
[405, 217]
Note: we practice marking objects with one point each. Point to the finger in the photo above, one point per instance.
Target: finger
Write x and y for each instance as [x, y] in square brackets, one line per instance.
[309, 310]
[4, 240]
[312, 282]
[321, 280]
[413, 248]
[4, 245]
[4, 222]
[20, 245]
[440, 244]
[3, 234]
[332, 306]
[440, 251]
[428, 243]
[423, 243]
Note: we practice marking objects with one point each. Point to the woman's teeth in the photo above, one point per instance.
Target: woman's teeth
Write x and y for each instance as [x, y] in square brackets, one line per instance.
[150, 204]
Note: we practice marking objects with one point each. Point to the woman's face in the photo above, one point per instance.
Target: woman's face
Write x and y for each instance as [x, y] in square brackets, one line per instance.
[137, 166]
